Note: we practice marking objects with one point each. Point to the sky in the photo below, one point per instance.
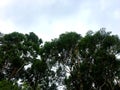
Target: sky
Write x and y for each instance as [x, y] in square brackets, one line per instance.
[49, 18]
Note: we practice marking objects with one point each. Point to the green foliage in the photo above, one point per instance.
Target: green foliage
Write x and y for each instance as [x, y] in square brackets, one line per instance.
[7, 85]
[91, 61]
[16, 51]
[98, 63]
[68, 40]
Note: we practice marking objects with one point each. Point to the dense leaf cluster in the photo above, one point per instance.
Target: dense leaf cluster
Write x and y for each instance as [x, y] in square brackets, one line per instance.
[74, 62]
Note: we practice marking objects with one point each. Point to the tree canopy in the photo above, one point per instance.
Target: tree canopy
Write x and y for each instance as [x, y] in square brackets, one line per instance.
[73, 61]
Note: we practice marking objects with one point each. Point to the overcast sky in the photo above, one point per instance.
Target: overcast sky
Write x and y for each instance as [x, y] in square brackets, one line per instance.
[49, 18]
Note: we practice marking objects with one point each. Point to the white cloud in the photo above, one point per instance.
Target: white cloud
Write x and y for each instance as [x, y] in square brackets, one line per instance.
[49, 18]
[7, 26]
[116, 14]
[85, 14]
[40, 2]
[59, 27]
[4, 3]
[25, 13]
[106, 4]
[103, 5]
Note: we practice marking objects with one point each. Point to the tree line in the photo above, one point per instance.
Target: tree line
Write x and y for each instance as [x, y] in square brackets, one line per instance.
[72, 61]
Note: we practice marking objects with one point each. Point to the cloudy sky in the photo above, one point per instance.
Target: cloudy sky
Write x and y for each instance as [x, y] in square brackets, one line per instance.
[49, 18]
